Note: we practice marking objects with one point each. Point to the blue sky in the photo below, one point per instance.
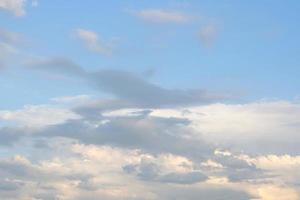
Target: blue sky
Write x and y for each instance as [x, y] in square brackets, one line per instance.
[253, 52]
[149, 100]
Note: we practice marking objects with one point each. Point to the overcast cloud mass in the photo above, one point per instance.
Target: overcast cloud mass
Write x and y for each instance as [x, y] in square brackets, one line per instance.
[149, 100]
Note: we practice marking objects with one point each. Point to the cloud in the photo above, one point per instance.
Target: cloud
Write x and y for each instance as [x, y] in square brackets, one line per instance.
[9, 45]
[204, 192]
[38, 116]
[194, 132]
[166, 169]
[162, 16]
[128, 87]
[9, 135]
[157, 156]
[57, 65]
[269, 127]
[16, 7]
[87, 171]
[183, 178]
[91, 41]
[281, 167]
[10, 37]
[208, 35]
[74, 100]
[155, 135]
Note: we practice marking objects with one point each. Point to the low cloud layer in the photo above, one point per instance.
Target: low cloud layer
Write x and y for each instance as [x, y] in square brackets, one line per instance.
[159, 153]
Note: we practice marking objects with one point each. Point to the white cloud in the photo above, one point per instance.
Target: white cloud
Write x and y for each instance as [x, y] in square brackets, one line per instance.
[255, 127]
[79, 171]
[92, 42]
[162, 16]
[17, 7]
[283, 168]
[38, 116]
[86, 171]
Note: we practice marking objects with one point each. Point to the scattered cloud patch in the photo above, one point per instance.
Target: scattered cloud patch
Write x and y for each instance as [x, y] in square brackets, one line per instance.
[16, 7]
[10, 43]
[162, 16]
[93, 42]
[38, 116]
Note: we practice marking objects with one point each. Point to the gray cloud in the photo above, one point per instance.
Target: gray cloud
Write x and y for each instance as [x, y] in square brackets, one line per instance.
[7, 185]
[202, 193]
[9, 136]
[238, 169]
[58, 65]
[151, 134]
[151, 172]
[183, 178]
[128, 87]
[10, 37]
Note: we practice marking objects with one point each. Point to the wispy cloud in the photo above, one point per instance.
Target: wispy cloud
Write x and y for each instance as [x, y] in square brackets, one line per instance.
[162, 16]
[16, 7]
[9, 45]
[127, 86]
[37, 116]
[208, 35]
[93, 43]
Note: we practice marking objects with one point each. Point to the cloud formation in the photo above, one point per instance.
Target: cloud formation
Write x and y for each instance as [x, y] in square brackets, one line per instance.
[38, 116]
[128, 87]
[134, 139]
[157, 152]
[16, 7]
[93, 43]
[162, 16]
[84, 172]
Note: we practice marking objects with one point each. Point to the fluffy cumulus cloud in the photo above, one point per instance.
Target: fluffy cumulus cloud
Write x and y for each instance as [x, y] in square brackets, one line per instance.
[143, 141]
[14, 6]
[112, 152]
[265, 127]
[134, 139]
[89, 172]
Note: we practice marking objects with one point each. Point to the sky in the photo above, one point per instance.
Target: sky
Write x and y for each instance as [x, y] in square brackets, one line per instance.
[149, 100]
